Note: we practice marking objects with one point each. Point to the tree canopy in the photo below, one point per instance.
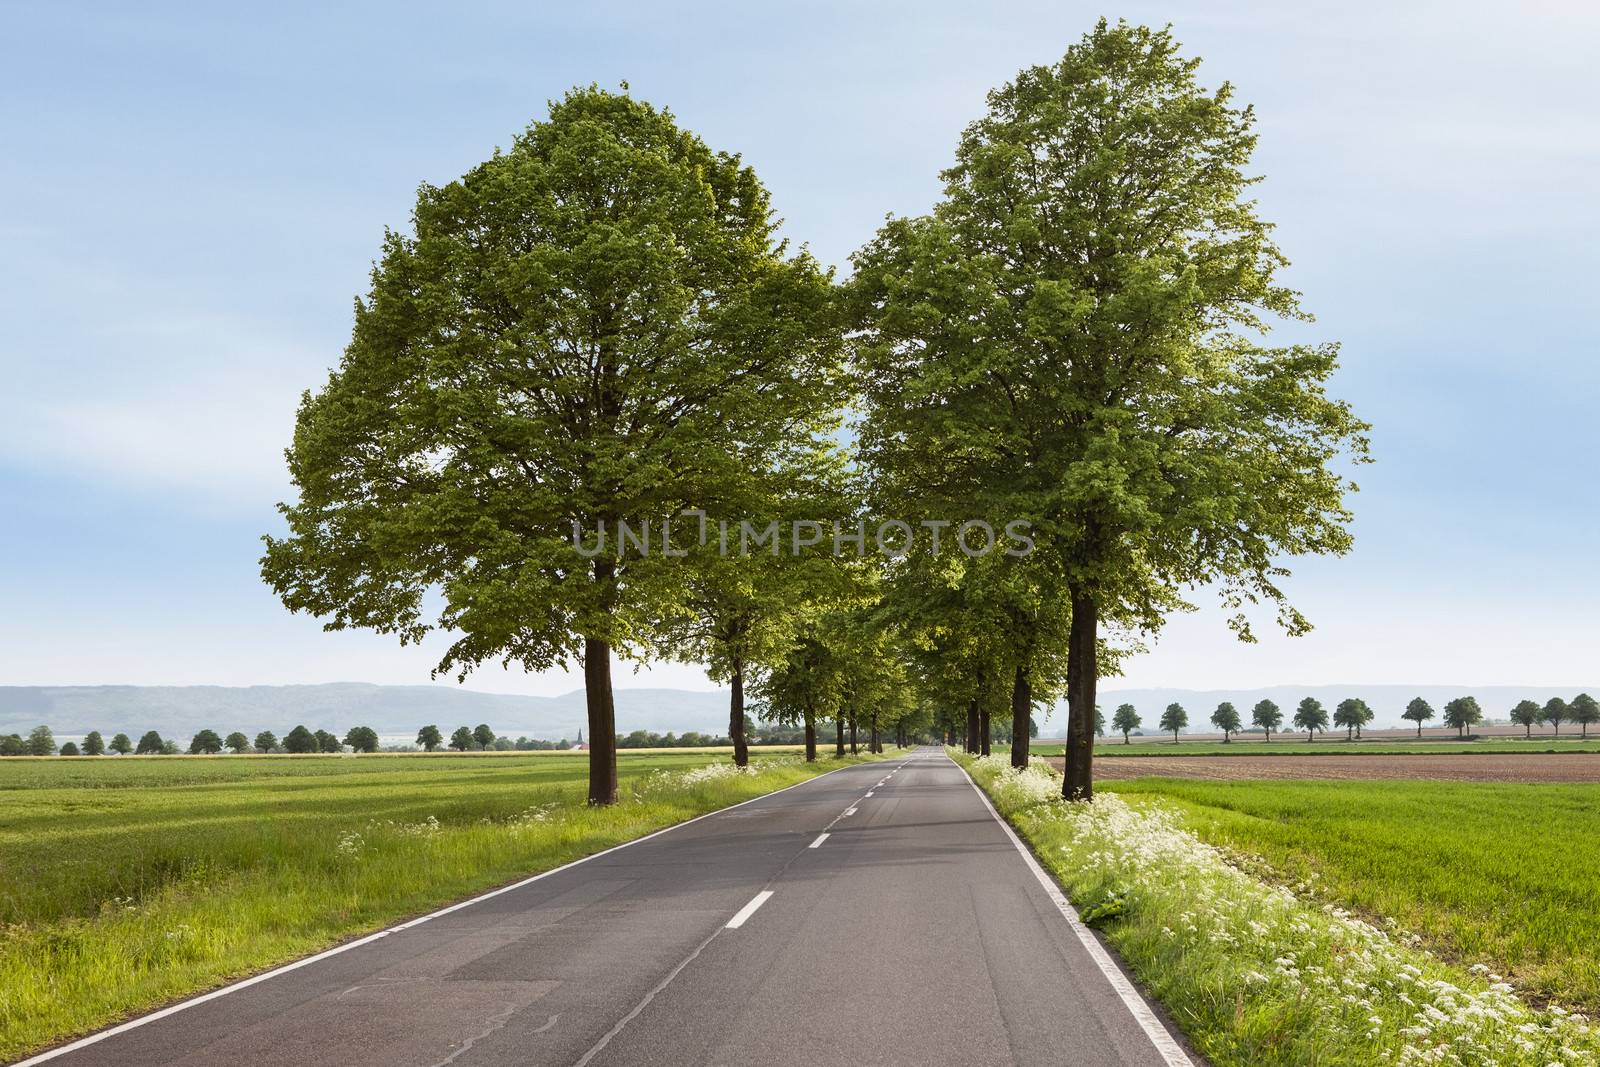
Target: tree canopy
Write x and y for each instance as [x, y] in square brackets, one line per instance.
[1352, 713]
[1418, 711]
[1125, 720]
[1461, 713]
[1071, 339]
[1174, 719]
[1226, 719]
[1267, 716]
[1311, 716]
[597, 325]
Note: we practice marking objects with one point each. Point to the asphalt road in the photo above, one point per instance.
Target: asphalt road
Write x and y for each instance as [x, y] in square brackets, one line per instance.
[914, 932]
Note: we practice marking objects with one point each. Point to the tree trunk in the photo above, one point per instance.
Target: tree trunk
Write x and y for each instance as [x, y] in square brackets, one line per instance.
[1125, 738]
[875, 746]
[983, 731]
[838, 737]
[741, 748]
[602, 720]
[1083, 676]
[1021, 717]
[811, 736]
[972, 726]
[1419, 729]
[853, 750]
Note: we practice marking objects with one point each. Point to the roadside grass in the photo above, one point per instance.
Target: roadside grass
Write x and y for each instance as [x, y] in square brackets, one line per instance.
[1494, 873]
[125, 884]
[1257, 973]
[1330, 747]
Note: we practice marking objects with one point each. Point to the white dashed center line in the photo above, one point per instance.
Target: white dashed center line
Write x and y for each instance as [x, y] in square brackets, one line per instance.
[755, 902]
[818, 842]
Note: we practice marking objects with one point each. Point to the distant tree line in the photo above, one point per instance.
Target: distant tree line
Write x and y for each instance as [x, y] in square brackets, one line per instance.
[1461, 714]
[41, 742]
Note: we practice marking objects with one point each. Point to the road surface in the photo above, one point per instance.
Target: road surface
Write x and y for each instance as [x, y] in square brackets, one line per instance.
[880, 914]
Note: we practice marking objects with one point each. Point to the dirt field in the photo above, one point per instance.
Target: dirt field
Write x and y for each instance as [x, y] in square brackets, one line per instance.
[1485, 767]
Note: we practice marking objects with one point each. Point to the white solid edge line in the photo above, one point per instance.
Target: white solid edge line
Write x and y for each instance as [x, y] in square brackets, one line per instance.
[1142, 1013]
[173, 1009]
[755, 902]
[818, 842]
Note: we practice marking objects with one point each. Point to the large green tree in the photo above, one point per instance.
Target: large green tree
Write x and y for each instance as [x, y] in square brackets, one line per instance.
[979, 627]
[206, 742]
[1125, 720]
[1461, 713]
[1174, 719]
[1268, 716]
[1074, 337]
[591, 328]
[41, 742]
[1226, 719]
[1555, 713]
[1585, 711]
[1418, 711]
[362, 739]
[743, 609]
[300, 741]
[804, 686]
[1525, 714]
[1352, 713]
[1311, 716]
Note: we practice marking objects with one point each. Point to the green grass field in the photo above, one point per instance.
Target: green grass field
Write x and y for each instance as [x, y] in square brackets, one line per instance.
[1493, 873]
[1290, 746]
[126, 883]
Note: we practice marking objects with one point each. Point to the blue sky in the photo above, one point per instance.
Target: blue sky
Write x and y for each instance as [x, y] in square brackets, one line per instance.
[191, 196]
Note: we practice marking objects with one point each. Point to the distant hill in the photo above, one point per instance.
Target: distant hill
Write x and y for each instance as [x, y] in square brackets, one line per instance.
[394, 711]
[1386, 701]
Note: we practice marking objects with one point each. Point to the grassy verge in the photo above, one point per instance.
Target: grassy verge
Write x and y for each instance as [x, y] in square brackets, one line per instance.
[1326, 748]
[126, 884]
[1432, 855]
[1253, 972]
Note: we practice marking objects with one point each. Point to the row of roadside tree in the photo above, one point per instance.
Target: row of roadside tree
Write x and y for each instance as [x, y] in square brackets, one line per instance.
[595, 407]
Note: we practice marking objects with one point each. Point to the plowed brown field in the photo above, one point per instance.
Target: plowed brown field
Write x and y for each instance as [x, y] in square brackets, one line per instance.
[1467, 767]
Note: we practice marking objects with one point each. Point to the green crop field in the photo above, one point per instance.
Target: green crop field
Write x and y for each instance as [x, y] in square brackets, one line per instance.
[1493, 873]
[125, 883]
[1326, 747]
